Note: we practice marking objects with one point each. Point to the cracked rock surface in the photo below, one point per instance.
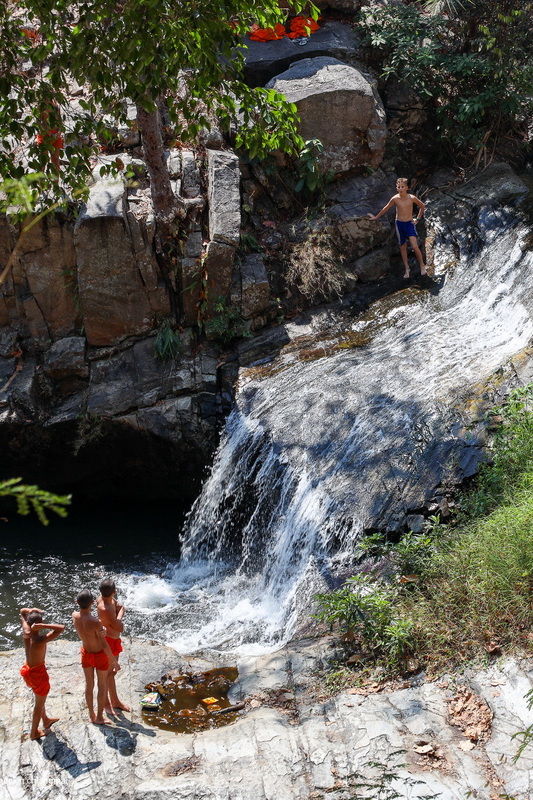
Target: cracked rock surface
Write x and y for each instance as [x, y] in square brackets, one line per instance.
[288, 744]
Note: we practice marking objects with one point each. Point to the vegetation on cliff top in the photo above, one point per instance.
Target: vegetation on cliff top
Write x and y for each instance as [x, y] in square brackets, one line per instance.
[68, 69]
[470, 61]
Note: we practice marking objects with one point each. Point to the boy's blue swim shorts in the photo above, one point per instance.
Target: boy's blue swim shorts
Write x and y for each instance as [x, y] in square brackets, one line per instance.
[404, 230]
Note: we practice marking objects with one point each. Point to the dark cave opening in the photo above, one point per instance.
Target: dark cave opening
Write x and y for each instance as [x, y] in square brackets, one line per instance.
[101, 458]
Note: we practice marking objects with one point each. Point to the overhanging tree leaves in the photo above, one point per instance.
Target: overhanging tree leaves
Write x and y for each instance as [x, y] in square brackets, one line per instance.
[180, 54]
[31, 497]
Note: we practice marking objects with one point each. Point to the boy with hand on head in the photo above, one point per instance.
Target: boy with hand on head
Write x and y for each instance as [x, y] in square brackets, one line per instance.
[36, 635]
[95, 655]
[405, 224]
[111, 614]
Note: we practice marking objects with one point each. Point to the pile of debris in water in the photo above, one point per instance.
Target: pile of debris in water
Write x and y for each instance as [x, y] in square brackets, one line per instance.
[190, 702]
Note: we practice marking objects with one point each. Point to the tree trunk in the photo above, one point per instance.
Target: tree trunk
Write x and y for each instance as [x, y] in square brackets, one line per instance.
[165, 203]
[167, 207]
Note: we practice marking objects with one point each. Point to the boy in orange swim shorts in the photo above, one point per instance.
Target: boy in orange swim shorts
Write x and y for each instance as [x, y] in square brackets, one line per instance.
[36, 635]
[111, 614]
[95, 655]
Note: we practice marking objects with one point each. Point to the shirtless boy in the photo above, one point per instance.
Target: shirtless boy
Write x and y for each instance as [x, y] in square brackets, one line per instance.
[111, 614]
[36, 635]
[405, 224]
[95, 655]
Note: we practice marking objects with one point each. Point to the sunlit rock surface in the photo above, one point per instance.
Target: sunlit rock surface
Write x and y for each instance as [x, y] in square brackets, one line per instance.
[338, 105]
[289, 744]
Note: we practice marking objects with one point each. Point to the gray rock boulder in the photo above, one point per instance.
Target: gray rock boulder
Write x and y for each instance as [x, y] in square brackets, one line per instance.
[135, 378]
[352, 201]
[339, 106]
[190, 175]
[251, 289]
[218, 265]
[66, 357]
[224, 196]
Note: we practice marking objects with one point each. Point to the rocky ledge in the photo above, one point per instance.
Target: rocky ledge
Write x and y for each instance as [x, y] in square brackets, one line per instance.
[292, 742]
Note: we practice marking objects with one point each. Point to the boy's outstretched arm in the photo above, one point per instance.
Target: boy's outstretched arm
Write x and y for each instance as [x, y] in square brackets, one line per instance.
[383, 210]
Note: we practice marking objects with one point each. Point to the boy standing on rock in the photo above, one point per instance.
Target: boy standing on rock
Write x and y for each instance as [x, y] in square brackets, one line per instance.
[405, 224]
[36, 635]
[95, 655]
[110, 614]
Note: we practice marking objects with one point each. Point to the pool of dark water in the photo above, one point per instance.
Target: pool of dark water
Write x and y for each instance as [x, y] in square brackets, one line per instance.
[190, 702]
[47, 566]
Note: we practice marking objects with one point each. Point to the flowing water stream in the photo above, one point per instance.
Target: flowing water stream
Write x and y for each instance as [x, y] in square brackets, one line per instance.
[350, 428]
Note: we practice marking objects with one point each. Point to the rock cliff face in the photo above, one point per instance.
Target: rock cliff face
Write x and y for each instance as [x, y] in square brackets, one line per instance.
[85, 297]
[291, 742]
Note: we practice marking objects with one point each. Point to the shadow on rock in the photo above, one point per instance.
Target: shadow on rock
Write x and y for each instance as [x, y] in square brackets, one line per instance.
[119, 739]
[134, 727]
[55, 749]
[431, 284]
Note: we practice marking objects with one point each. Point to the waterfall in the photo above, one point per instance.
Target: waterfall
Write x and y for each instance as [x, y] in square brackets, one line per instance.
[354, 433]
[319, 450]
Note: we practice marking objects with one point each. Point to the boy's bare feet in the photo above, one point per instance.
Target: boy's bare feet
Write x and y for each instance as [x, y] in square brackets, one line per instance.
[406, 275]
[49, 722]
[38, 735]
[111, 711]
[101, 721]
[122, 706]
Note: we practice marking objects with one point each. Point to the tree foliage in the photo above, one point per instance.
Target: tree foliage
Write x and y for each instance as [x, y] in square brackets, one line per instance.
[471, 60]
[182, 52]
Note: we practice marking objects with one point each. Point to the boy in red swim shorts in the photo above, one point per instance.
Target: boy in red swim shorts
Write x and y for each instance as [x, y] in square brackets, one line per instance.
[110, 614]
[95, 655]
[36, 635]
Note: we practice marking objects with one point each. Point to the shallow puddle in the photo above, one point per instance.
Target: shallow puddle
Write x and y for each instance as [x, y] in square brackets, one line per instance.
[190, 702]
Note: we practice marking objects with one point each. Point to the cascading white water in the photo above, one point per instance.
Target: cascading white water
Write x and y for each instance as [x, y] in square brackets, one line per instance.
[322, 449]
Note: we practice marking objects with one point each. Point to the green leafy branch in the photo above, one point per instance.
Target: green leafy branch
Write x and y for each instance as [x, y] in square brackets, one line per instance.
[31, 497]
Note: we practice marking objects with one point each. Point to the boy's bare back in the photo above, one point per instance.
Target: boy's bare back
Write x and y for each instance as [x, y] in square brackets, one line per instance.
[90, 631]
[108, 609]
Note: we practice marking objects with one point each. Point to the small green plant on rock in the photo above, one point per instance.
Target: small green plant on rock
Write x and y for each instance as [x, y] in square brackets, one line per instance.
[227, 325]
[249, 244]
[309, 175]
[366, 610]
[167, 342]
[383, 781]
[91, 427]
[411, 555]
